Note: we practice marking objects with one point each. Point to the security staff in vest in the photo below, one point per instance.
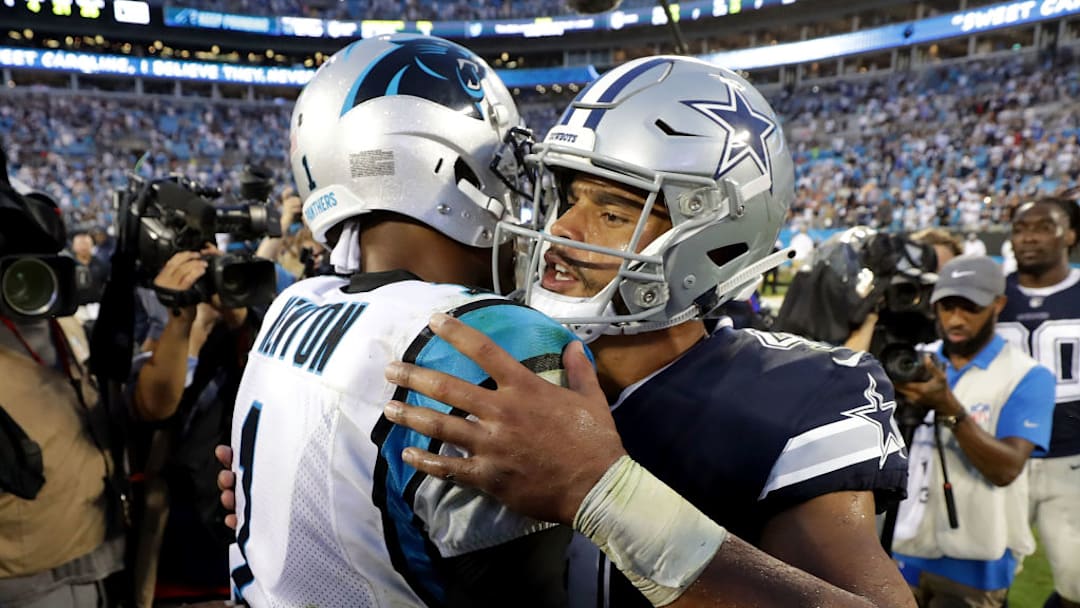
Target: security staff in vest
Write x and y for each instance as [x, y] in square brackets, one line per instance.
[989, 407]
[60, 537]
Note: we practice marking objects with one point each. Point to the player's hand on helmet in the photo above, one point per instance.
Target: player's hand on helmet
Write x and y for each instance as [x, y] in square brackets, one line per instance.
[226, 482]
[535, 446]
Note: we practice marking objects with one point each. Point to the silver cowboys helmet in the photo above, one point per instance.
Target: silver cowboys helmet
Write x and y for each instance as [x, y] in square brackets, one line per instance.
[695, 137]
[405, 123]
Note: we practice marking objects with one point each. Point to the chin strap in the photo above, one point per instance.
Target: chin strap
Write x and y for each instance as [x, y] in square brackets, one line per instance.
[755, 270]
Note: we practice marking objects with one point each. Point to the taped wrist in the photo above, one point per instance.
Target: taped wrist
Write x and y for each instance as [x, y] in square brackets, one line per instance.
[655, 537]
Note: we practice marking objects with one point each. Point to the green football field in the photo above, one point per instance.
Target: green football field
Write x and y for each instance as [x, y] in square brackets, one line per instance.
[1033, 584]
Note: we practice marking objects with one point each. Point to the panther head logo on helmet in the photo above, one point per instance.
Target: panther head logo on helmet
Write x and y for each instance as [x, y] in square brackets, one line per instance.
[409, 124]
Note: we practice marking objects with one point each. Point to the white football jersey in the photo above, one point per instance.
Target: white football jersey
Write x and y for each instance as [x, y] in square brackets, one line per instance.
[328, 513]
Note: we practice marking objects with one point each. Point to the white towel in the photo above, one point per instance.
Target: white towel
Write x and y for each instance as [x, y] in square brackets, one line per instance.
[346, 254]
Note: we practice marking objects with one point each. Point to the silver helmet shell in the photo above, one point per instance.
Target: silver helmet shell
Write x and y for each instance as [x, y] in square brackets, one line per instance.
[707, 141]
[409, 124]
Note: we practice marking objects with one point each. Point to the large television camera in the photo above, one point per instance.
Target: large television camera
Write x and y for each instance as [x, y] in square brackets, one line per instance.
[166, 216]
[35, 282]
[860, 271]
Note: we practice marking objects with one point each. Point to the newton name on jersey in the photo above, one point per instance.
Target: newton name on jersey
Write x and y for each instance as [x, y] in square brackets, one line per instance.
[328, 513]
[323, 328]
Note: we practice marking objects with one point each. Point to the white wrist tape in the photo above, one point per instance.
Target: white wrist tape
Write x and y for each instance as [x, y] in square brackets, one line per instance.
[656, 538]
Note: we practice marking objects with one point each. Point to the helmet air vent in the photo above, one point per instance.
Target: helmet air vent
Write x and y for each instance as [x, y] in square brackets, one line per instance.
[462, 171]
[725, 254]
[669, 130]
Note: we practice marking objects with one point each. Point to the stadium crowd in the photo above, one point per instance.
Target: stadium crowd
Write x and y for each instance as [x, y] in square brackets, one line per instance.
[957, 146]
[448, 10]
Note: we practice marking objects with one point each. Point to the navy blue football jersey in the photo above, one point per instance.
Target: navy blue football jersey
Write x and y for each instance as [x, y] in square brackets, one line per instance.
[748, 424]
[1045, 323]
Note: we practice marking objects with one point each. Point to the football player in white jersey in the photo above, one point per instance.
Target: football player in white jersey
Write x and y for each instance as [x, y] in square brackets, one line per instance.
[397, 147]
[1042, 316]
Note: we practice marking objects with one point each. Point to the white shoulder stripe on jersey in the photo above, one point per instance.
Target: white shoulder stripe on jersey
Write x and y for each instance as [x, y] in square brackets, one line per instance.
[822, 432]
[790, 479]
[825, 449]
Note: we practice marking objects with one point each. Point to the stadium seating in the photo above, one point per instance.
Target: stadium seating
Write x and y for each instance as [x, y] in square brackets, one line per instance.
[955, 145]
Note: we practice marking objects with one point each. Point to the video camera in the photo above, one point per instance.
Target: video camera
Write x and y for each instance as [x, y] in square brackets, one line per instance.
[860, 271]
[905, 316]
[35, 283]
[166, 216]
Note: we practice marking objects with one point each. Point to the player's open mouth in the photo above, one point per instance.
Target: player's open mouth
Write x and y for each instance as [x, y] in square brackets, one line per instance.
[559, 274]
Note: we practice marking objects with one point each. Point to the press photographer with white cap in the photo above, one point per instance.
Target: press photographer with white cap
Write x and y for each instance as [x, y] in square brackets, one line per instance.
[989, 406]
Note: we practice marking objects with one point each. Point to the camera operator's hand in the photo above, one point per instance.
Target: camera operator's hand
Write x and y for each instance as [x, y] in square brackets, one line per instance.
[180, 273]
[291, 207]
[933, 393]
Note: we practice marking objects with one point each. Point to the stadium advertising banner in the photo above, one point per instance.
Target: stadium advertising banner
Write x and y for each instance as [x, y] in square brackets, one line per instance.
[525, 28]
[121, 65]
[964, 23]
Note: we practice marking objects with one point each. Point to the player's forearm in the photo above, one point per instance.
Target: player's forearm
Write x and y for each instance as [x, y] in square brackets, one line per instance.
[743, 575]
[676, 556]
[160, 383]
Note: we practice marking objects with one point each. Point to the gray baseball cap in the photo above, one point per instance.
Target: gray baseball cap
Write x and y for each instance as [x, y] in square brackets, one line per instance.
[972, 277]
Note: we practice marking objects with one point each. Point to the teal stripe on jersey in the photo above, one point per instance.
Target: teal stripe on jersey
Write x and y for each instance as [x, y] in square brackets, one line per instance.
[531, 338]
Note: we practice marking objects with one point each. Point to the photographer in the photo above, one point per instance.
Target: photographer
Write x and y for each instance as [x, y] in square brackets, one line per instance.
[60, 510]
[296, 254]
[964, 523]
[186, 386]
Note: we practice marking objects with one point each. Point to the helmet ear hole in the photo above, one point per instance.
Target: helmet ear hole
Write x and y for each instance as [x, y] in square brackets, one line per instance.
[725, 254]
[462, 171]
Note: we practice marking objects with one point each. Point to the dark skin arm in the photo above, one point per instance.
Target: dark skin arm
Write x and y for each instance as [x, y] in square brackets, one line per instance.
[529, 430]
[999, 460]
[834, 537]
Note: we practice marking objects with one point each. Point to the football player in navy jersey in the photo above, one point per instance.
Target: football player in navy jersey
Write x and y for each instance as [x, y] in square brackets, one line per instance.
[397, 148]
[1042, 316]
[671, 179]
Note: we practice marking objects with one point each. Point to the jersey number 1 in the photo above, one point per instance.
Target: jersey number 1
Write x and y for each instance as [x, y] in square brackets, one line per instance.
[241, 575]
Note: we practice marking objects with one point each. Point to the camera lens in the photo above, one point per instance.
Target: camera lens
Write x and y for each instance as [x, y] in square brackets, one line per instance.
[233, 281]
[903, 363]
[29, 286]
[903, 296]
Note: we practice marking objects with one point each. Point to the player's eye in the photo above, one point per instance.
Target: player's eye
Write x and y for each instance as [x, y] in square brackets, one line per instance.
[614, 218]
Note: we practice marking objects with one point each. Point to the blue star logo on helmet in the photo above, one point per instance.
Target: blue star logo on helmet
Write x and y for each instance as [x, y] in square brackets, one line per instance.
[432, 69]
[747, 131]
